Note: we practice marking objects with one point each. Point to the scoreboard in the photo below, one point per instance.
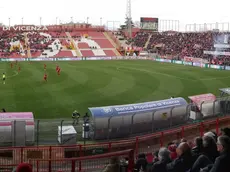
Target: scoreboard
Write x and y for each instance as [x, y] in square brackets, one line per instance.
[150, 24]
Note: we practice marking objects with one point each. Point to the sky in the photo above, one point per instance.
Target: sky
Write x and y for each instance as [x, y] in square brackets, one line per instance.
[113, 12]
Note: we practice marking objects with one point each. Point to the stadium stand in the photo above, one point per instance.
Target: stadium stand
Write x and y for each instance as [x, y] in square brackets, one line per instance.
[71, 41]
[83, 158]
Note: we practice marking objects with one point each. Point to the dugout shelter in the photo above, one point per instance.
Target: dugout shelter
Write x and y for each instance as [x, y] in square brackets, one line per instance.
[225, 100]
[125, 120]
[17, 128]
[203, 106]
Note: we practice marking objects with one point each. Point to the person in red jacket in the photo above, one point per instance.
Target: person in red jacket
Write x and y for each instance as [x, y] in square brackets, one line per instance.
[172, 149]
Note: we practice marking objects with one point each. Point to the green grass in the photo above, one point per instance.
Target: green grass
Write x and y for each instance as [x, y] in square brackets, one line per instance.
[86, 84]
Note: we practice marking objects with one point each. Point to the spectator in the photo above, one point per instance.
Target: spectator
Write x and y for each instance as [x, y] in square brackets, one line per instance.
[172, 149]
[198, 148]
[24, 167]
[113, 166]
[184, 161]
[210, 148]
[141, 163]
[164, 159]
[155, 154]
[211, 134]
[226, 131]
[222, 162]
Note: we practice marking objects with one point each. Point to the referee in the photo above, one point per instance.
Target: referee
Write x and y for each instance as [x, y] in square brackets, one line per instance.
[4, 78]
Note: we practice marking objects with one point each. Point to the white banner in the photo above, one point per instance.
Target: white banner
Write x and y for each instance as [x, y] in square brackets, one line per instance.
[217, 53]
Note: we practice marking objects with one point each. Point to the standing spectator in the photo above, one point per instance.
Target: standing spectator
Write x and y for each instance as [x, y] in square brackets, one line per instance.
[184, 161]
[164, 159]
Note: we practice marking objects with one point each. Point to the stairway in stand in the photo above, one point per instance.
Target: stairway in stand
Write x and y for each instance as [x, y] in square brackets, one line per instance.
[74, 44]
[113, 43]
[27, 46]
[147, 42]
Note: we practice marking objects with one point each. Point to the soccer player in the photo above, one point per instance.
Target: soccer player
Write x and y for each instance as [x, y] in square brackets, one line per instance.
[44, 66]
[57, 67]
[4, 78]
[11, 65]
[45, 77]
[59, 71]
[19, 69]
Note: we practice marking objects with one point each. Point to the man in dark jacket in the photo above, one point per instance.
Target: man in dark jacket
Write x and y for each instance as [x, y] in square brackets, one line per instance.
[184, 161]
[222, 163]
[164, 159]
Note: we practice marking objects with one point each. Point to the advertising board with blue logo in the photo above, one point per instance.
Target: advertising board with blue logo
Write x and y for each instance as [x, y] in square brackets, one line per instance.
[136, 108]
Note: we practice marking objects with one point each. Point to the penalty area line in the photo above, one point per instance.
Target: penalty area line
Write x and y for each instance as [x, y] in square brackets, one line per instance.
[15, 74]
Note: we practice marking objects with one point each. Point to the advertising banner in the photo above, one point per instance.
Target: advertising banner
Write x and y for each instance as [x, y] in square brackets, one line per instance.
[68, 59]
[177, 61]
[41, 59]
[164, 60]
[187, 63]
[217, 67]
[227, 67]
[197, 64]
[135, 108]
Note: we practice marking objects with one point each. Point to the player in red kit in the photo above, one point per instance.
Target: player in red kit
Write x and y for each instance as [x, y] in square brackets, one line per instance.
[45, 77]
[44, 66]
[57, 68]
[59, 71]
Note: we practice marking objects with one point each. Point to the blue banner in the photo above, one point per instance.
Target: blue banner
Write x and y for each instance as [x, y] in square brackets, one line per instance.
[136, 108]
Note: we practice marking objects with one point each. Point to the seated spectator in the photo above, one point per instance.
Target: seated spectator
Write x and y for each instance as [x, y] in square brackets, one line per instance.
[172, 149]
[211, 134]
[164, 159]
[222, 162]
[184, 161]
[141, 163]
[226, 131]
[113, 166]
[210, 148]
[24, 167]
[198, 148]
[208, 153]
[155, 154]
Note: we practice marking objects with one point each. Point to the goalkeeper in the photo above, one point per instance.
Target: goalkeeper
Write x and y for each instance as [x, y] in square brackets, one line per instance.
[75, 117]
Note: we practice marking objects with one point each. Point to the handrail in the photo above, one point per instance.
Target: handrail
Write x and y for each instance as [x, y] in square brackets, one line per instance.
[128, 153]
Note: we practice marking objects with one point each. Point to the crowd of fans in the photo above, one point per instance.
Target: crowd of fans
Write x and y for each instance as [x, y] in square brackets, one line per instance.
[180, 44]
[209, 153]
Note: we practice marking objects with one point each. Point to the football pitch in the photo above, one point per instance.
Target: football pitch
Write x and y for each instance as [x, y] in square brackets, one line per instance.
[84, 84]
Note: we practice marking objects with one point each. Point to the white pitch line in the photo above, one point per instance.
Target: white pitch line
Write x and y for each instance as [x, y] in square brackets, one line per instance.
[15, 74]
